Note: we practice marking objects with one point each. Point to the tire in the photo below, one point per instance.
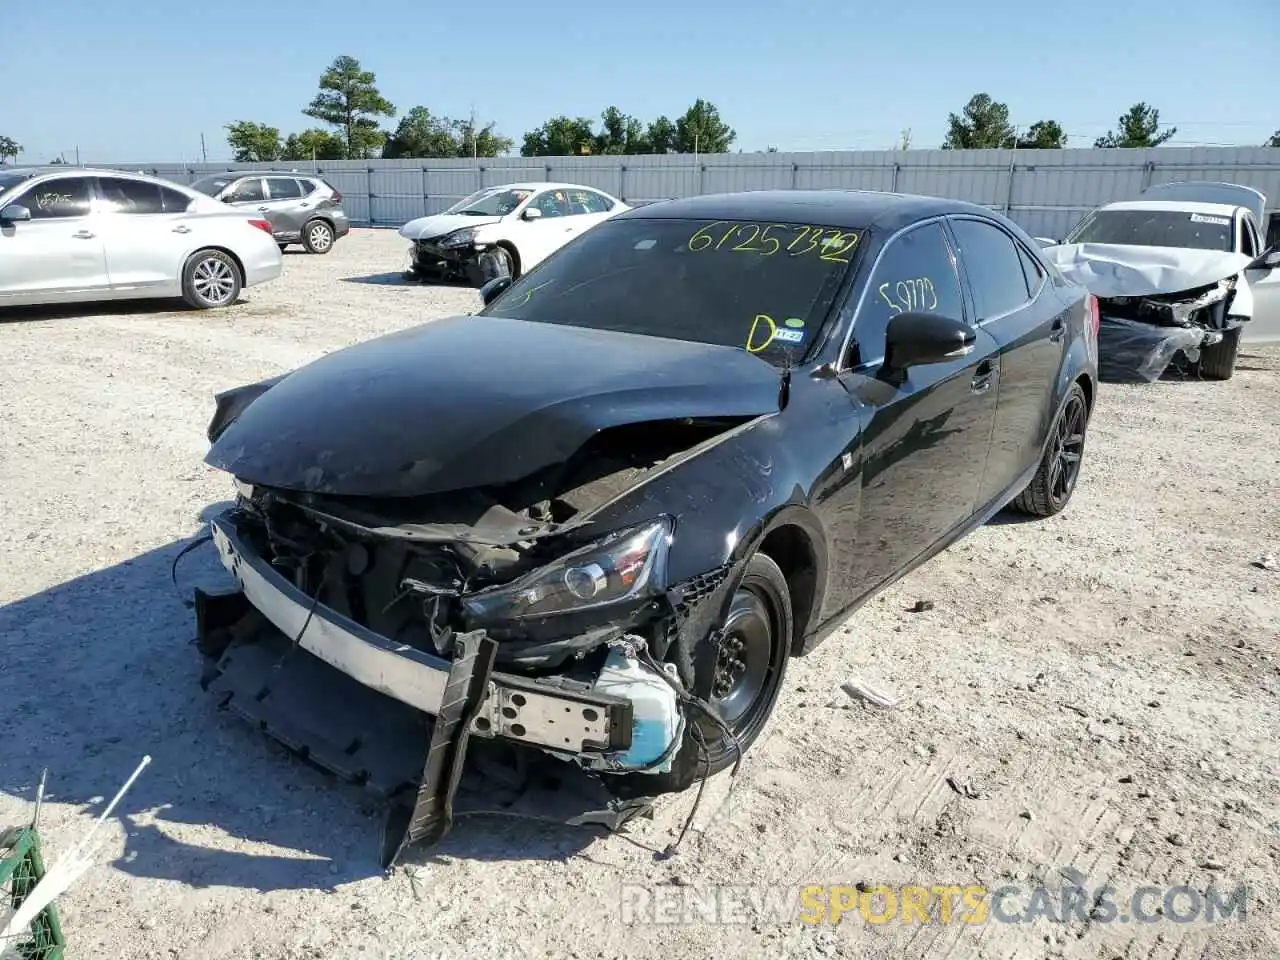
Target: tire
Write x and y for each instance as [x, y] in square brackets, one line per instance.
[1218, 362]
[1055, 480]
[317, 236]
[506, 262]
[211, 279]
[757, 634]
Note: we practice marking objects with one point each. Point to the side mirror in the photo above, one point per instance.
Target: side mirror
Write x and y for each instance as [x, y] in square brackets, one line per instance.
[491, 290]
[531, 213]
[1270, 259]
[13, 213]
[913, 339]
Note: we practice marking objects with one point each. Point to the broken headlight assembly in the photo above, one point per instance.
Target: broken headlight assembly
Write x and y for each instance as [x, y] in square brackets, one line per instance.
[459, 238]
[622, 566]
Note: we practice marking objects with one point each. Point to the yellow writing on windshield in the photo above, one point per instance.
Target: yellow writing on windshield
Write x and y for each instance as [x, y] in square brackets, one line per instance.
[918, 293]
[827, 243]
[765, 330]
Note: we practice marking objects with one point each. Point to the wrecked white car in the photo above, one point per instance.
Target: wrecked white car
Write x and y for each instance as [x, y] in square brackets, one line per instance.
[1180, 277]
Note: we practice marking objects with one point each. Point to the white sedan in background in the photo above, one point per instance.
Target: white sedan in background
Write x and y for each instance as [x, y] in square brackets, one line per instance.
[73, 235]
[513, 226]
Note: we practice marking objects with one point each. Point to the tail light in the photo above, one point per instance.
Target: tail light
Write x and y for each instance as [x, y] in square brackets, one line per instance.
[337, 196]
[1095, 315]
[263, 225]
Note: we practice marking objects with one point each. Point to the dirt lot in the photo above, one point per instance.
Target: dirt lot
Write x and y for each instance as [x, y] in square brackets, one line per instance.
[1096, 692]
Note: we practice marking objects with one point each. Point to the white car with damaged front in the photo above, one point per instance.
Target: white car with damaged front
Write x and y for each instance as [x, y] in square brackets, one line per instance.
[505, 229]
[1176, 273]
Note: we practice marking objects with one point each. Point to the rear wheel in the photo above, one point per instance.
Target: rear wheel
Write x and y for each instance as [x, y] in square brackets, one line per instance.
[1055, 480]
[210, 279]
[317, 236]
[1218, 362]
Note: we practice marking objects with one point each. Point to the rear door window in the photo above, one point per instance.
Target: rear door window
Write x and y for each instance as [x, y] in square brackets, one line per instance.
[993, 264]
[136, 197]
[284, 188]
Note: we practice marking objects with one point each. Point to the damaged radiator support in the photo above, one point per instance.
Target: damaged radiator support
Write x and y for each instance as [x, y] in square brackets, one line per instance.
[432, 812]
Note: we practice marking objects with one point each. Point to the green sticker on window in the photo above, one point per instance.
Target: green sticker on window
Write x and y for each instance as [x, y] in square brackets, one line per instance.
[794, 322]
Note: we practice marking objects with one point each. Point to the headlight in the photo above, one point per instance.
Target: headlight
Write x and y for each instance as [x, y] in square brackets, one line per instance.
[624, 565]
[459, 238]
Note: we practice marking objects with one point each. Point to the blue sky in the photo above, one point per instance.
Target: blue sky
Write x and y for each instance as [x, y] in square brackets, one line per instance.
[143, 79]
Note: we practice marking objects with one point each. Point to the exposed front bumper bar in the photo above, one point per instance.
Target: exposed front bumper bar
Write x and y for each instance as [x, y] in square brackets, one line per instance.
[563, 716]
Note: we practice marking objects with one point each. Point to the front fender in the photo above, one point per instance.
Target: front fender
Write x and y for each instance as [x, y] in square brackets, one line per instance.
[727, 502]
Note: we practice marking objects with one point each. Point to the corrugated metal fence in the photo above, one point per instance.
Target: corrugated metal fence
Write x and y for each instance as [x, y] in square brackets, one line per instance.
[1046, 191]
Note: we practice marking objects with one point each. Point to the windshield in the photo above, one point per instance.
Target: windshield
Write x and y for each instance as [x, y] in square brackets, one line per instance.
[12, 179]
[764, 287]
[212, 185]
[493, 202]
[1156, 228]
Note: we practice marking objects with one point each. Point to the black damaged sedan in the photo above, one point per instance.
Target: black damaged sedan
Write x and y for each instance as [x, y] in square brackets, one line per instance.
[598, 517]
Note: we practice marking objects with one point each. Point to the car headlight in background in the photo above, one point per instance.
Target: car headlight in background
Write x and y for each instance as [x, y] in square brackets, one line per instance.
[626, 564]
[459, 238]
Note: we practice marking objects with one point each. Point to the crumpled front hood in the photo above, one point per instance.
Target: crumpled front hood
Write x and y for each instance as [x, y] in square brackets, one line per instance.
[471, 402]
[424, 228]
[1122, 270]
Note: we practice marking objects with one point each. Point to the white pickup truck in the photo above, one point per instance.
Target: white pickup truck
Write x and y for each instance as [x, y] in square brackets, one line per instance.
[1181, 269]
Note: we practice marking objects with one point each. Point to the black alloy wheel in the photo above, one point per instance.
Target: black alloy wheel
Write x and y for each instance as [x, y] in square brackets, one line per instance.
[1055, 480]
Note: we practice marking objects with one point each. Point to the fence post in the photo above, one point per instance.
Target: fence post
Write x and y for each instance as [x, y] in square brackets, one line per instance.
[1148, 173]
[547, 173]
[702, 177]
[795, 174]
[426, 194]
[368, 181]
[622, 182]
[1013, 167]
[893, 185]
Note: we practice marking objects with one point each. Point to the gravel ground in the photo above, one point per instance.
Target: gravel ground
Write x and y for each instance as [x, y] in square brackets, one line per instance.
[1096, 691]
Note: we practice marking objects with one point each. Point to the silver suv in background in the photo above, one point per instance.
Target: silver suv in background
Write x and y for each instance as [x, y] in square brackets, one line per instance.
[302, 208]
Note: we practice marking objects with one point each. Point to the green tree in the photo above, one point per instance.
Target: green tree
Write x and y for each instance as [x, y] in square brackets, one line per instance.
[560, 137]
[1138, 128]
[660, 136]
[1274, 141]
[420, 134]
[349, 100]
[701, 130]
[9, 149]
[620, 134]
[904, 143]
[483, 141]
[253, 142]
[983, 124]
[314, 144]
[1043, 135]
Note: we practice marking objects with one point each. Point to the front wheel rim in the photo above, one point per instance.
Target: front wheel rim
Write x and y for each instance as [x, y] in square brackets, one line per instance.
[214, 280]
[320, 237]
[744, 662]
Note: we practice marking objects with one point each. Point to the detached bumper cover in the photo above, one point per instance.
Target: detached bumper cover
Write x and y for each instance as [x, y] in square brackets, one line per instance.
[534, 712]
[395, 704]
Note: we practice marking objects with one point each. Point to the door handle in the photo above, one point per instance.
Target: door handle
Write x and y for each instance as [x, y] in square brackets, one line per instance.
[84, 235]
[262, 209]
[1058, 331]
[981, 381]
[181, 229]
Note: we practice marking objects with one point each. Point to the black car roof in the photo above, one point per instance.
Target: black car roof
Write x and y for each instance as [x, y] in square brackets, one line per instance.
[851, 209]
